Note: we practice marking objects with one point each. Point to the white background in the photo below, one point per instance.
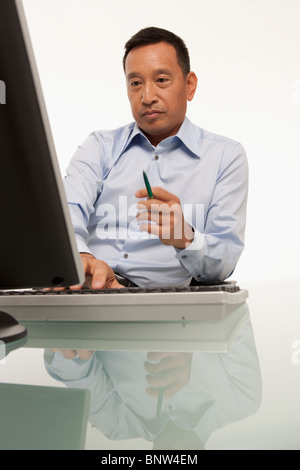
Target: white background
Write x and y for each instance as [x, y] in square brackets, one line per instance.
[246, 54]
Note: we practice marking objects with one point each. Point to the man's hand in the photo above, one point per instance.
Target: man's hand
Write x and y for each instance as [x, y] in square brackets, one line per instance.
[170, 371]
[98, 274]
[166, 212]
[70, 354]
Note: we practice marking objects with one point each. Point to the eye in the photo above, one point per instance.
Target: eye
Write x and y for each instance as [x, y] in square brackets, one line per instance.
[162, 81]
[135, 83]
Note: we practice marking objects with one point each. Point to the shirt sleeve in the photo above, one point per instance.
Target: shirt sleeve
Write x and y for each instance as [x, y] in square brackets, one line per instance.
[83, 185]
[108, 412]
[234, 384]
[213, 255]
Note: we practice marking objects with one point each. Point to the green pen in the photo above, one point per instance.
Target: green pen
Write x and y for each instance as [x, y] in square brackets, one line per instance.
[159, 402]
[149, 190]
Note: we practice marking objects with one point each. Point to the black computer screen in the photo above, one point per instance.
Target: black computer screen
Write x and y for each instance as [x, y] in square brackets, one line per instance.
[37, 244]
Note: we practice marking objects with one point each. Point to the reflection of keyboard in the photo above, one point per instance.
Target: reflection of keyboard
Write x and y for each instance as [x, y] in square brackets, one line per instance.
[128, 304]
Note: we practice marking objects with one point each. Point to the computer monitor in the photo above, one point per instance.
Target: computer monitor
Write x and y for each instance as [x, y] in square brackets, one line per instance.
[37, 242]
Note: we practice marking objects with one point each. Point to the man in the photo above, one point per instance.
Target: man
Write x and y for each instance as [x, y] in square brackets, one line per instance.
[193, 227]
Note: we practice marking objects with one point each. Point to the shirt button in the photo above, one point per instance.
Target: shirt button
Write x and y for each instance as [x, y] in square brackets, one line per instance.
[125, 256]
[184, 257]
[156, 157]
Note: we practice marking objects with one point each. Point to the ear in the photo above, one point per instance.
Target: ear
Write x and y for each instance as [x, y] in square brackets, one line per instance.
[191, 85]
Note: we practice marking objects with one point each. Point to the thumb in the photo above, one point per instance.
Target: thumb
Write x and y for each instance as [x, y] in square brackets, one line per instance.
[116, 285]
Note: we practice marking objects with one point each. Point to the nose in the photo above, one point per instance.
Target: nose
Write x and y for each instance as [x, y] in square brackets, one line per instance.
[149, 95]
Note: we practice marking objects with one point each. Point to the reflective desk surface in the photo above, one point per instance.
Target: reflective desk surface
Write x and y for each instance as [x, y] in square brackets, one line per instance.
[233, 384]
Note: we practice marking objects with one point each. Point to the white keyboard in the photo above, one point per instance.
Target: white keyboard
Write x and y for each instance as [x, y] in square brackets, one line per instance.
[131, 304]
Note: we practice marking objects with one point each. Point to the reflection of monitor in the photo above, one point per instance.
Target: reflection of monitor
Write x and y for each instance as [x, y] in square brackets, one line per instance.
[37, 243]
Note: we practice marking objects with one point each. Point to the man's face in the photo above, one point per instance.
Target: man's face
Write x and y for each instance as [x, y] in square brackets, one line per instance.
[157, 89]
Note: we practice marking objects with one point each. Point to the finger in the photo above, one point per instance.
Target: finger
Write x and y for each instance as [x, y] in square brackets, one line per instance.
[69, 354]
[141, 193]
[148, 204]
[85, 264]
[163, 195]
[164, 380]
[164, 232]
[165, 218]
[158, 193]
[99, 280]
[158, 206]
[72, 353]
[115, 285]
[169, 392]
[171, 385]
[103, 277]
[179, 362]
[157, 356]
[51, 289]
[100, 273]
[84, 354]
[152, 392]
[77, 287]
[173, 389]
[164, 365]
[153, 229]
[157, 218]
[85, 259]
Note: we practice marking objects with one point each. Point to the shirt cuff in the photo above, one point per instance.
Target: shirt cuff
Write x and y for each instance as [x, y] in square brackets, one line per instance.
[82, 246]
[191, 257]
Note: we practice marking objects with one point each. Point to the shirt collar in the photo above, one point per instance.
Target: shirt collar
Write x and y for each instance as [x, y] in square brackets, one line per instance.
[187, 134]
[189, 137]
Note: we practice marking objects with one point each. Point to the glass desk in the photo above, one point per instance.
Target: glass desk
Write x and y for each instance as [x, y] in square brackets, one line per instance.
[232, 384]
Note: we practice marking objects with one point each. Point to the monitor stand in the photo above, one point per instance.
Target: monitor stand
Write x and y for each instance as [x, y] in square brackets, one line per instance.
[10, 329]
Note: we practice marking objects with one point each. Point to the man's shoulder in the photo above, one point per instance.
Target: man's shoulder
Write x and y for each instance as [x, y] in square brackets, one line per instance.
[106, 135]
[204, 142]
[110, 143]
[213, 137]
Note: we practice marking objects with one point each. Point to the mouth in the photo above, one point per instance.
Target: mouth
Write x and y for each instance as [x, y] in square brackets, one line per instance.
[151, 114]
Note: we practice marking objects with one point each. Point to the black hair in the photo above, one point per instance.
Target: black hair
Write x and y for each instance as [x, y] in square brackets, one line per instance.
[154, 35]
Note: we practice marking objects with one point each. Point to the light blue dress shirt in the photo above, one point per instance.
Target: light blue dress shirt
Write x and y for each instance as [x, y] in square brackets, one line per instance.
[222, 388]
[207, 172]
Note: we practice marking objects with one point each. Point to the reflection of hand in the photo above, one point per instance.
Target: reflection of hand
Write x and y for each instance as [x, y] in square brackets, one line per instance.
[170, 371]
[166, 211]
[83, 354]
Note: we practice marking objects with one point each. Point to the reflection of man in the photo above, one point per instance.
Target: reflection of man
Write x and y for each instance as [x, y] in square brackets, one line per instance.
[199, 180]
[202, 392]
[2, 92]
